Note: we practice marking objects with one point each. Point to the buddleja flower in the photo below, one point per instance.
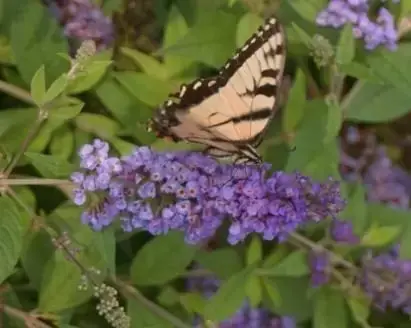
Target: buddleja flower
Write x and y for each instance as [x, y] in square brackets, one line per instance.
[190, 192]
[382, 31]
[320, 267]
[343, 232]
[387, 280]
[245, 317]
[83, 20]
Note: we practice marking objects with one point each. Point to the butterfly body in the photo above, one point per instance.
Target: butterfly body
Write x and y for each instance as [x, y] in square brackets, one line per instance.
[230, 112]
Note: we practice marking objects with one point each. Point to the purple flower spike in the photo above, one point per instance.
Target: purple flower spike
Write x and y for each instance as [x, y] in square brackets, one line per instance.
[380, 32]
[342, 232]
[192, 193]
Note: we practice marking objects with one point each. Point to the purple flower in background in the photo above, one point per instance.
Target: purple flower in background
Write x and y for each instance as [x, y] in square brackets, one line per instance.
[246, 316]
[342, 232]
[320, 265]
[83, 20]
[382, 31]
[190, 192]
[387, 280]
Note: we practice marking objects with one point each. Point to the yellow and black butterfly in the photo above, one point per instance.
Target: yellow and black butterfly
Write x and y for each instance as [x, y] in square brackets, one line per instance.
[230, 112]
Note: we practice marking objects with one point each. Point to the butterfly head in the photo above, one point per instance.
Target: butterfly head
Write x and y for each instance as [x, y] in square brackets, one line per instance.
[161, 124]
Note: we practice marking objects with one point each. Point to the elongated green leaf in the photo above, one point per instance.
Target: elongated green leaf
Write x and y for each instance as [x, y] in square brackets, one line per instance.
[162, 259]
[148, 64]
[38, 85]
[56, 88]
[229, 297]
[330, 309]
[356, 210]
[223, 262]
[176, 29]
[50, 166]
[360, 71]
[334, 120]
[254, 250]
[307, 9]
[247, 25]
[375, 103]
[65, 113]
[145, 88]
[36, 38]
[11, 236]
[216, 30]
[380, 236]
[310, 136]
[294, 265]
[62, 143]
[294, 110]
[100, 125]
[289, 296]
[360, 309]
[142, 317]
[88, 78]
[346, 46]
[393, 67]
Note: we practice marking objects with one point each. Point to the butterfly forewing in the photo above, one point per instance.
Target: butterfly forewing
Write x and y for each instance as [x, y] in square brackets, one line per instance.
[231, 111]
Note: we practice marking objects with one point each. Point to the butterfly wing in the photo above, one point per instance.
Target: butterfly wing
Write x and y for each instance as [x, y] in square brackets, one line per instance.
[231, 111]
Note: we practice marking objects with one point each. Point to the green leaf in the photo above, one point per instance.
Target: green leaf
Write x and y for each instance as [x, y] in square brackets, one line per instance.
[248, 24]
[36, 38]
[216, 30]
[145, 88]
[346, 46]
[142, 317]
[405, 243]
[11, 236]
[162, 259]
[65, 113]
[102, 126]
[229, 297]
[307, 9]
[59, 288]
[294, 110]
[302, 35]
[271, 292]
[223, 262]
[16, 119]
[86, 80]
[360, 309]
[334, 120]
[38, 85]
[368, 102]
[132, 113]
[309, 140]
[325, 164]
[146, 63]
[359, 71]
[176, 29]
[50, 166]
[292, 298]
[294, 265]
[193, 302]
[254, 250]
[393, 67]
[356, 210]
[330, 309]
[62, 143]
[56, 88]
[254, 291]
[380, 236]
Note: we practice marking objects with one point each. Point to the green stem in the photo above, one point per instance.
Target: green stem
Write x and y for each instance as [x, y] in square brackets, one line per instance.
[154, 308]
[34, 182]
[353, 92]
[26, 142]
[16, 92]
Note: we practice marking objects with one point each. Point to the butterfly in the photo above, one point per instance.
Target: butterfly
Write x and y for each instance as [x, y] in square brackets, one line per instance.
[230, 112]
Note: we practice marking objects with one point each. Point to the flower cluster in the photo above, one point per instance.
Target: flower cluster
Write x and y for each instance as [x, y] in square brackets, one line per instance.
[82, 20]
[382, 31]
[320, 266]
[343, 232]
[192, 193]
[246, 316]
[387, 280]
